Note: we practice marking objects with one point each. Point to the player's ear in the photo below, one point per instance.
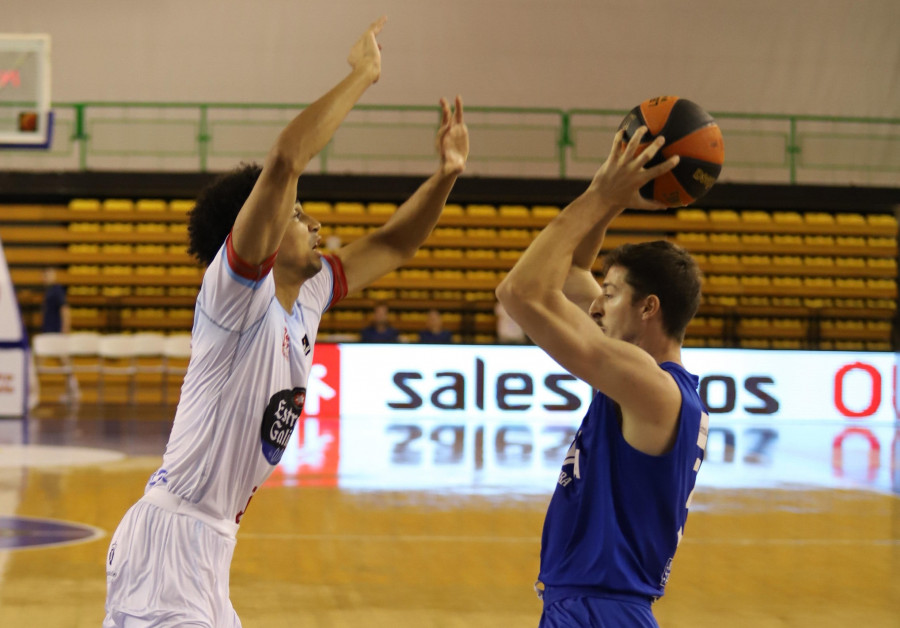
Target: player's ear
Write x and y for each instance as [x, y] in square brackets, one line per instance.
[650, 307]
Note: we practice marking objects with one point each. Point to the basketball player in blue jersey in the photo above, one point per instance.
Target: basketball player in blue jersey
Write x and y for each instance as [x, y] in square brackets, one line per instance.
[264, 291]
[622, 497]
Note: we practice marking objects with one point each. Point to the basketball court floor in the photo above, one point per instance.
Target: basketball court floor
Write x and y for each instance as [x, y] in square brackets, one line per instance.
[316, 551]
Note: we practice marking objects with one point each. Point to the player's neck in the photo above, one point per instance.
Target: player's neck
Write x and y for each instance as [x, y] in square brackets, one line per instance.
[287, 293]
[661, 347]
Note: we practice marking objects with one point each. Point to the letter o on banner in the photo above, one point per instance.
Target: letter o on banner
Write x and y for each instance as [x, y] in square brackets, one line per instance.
[874, 456]
[875, 399]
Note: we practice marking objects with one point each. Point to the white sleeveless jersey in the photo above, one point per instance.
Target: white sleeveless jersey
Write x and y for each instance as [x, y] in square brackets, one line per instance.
[245, 383]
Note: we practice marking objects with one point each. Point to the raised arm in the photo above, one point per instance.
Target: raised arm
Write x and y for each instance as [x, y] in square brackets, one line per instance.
[385, 249]
[533, 290]
[580, 287]
[260, 225]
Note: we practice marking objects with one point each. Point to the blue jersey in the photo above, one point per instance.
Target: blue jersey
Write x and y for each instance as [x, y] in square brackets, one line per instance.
[618, 514]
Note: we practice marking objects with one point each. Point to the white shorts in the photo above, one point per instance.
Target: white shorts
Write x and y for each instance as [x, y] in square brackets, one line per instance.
[166, 569]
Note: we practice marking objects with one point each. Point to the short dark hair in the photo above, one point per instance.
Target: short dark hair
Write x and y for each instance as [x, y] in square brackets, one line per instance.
[216, 209]
[666, 270]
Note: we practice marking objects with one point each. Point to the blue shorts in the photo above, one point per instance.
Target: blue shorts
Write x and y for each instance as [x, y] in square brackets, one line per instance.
[613, 611]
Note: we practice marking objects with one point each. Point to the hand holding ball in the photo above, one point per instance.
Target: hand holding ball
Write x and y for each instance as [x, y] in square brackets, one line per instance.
[692, 134]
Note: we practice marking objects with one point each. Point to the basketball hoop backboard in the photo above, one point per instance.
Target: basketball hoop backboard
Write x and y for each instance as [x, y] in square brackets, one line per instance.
[25, 116]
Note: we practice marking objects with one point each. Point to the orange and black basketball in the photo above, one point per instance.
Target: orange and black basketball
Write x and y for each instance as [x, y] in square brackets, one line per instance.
[692, 134]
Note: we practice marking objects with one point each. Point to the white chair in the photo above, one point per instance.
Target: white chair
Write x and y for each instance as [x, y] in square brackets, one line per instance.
[117, 358]
[149, 350]
[84, 352]
[176, 356]
[51, 357]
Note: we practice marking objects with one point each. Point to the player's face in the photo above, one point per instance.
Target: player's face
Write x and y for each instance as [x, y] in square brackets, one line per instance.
[299, 249]
[614, 309]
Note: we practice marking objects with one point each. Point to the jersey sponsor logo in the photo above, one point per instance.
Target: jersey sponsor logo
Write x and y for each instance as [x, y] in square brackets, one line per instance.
[278, 422]
[286, 345]
[573, 457]
[160, 476]
[312, 454]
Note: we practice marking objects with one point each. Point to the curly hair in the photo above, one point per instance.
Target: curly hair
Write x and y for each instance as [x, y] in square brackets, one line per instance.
[666, 270]
[216, 209]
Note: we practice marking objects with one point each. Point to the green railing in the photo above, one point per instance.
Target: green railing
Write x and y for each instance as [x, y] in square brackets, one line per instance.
[506, 141]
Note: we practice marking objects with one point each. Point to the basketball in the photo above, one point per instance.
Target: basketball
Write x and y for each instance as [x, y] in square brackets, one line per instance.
[692, 134]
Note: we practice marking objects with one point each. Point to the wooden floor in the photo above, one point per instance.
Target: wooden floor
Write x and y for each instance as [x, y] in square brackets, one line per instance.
[326, 557]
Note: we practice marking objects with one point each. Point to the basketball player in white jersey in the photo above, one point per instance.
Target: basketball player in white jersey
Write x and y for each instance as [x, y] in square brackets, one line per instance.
[258, 310]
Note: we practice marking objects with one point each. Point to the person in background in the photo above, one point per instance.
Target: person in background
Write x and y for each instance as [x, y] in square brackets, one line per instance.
[380, 330]
[56, 316]
[508, 330]
[434, 333]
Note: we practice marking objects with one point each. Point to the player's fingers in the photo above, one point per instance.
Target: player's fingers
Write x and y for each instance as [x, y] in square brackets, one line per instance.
[664, 167]
[633, 144]
[459, 109]
[378, 24]
[445, 113]
[616, 145]
[650, 152]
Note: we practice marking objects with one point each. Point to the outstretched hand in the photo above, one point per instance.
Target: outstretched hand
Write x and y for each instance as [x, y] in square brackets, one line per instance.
[366, 52]
[453, 138]
[620, 178]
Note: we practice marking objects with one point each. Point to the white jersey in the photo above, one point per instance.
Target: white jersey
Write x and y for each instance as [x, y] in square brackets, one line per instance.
[245, 383]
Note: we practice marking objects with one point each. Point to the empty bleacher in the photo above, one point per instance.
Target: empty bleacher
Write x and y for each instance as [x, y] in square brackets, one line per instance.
[773, 279]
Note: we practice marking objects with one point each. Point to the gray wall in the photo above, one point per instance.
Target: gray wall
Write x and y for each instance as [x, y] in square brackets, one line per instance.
[835, 57]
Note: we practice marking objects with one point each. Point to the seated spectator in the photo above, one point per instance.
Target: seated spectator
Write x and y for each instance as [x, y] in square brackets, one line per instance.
[435, 334]
[380, 330]
[508, 330]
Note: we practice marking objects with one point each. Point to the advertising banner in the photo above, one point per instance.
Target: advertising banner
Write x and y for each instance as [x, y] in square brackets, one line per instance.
[494, 418]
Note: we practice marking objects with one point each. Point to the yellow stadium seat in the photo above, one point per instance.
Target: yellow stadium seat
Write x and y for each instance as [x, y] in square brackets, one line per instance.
[349, 208]
[151, 227]
[881, 220]
[850, 241]
[181, 206]
[723, 215]
[544, 211]
[818, 261]
[117, 205]
[117, 227]
[382, 209]
[453, 210]
[481, 210]
[787, 218]
[447, 253]
[687, 238]
[84, 204]
[787, 239]
[514, 211]
[850, 219]
[818, 240]
[755, 216]
[151, 205]
[818, 218]
[691, 215]
[316, 208]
